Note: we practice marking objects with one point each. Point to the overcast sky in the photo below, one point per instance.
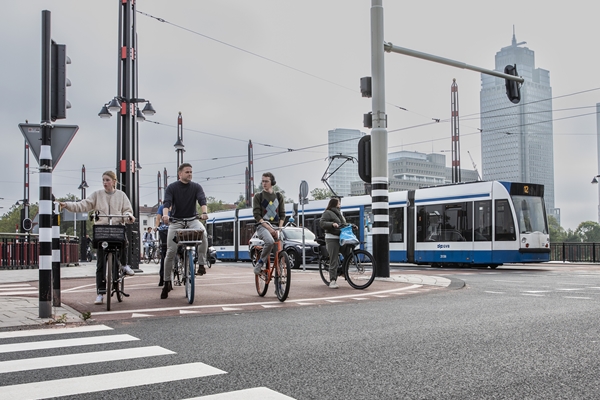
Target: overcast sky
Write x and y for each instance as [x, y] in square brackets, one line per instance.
[282, 73]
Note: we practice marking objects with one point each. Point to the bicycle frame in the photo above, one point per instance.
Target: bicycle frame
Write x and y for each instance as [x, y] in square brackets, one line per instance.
[275, 270]
[189, 240]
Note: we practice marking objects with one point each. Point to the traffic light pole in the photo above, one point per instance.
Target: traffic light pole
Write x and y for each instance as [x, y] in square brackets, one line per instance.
[45, 164]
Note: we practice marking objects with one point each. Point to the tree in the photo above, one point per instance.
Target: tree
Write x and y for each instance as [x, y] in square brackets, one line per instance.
[589, 232]
[321, 194]
[213, 204]
[557, 232]
[241, 202]
[9, 223]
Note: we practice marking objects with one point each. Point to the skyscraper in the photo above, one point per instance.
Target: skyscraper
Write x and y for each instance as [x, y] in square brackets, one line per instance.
[517, 139]
[344, 142]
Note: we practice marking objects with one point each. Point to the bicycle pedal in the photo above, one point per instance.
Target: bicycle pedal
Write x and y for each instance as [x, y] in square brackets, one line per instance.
[125, 294]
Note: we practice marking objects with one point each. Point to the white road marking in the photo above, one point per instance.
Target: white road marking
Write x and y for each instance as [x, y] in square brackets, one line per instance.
[53, 344]
[575, 297]
[259, 393]
[489, 291]
[532, 294]
[29, 364]
[102, 382]
[44, 332]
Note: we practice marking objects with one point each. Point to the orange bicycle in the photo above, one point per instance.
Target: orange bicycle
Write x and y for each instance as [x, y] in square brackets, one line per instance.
[278, 268]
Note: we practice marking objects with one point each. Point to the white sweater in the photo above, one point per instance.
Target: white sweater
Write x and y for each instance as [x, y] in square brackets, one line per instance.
[114, 203]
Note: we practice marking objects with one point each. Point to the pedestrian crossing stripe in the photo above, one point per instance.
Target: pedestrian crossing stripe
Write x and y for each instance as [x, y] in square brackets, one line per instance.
[66, 360]
[44, 332]
[53, 344]
[259, 393]
[102, 382]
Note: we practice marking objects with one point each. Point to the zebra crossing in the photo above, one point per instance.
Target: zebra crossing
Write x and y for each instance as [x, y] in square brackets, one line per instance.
[42, 339]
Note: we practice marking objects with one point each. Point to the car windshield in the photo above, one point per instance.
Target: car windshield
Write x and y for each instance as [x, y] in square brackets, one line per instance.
[296, 234]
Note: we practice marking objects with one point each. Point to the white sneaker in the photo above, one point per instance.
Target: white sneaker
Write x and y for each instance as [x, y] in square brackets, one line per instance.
[333, 285]
[99, 299]
[127, 270]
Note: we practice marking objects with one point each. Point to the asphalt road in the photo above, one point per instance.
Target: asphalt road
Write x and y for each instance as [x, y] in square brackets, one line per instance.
[511, 333]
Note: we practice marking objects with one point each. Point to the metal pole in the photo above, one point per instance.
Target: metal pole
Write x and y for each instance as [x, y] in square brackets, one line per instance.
[379, 146]
[45, 164]
[56, 301]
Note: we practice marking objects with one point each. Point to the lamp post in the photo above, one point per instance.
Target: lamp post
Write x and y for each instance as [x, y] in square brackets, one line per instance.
[595, 182]
[179, 147]
[83, 242]
[129, 115]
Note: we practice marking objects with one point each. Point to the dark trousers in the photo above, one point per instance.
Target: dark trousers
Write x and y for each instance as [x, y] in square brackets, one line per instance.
[101, 272]
[163, 251]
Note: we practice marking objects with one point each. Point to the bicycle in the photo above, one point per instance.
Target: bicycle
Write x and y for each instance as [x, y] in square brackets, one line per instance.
[358, 267]
[151, 253]
[184, 269]
[279, 269]
[112, 238]
[88, 254]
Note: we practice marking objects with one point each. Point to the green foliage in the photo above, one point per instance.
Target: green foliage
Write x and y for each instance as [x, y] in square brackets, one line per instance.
[321, 194]
[215, 205]
[589, 232]
[10, 221]
[557, 232]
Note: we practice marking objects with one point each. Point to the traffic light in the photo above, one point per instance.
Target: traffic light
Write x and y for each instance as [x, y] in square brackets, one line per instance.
[59, 82]
[364, 158]
[513, 90]
[365, 86]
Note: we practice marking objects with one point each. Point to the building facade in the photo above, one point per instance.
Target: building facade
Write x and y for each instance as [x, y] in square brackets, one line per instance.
[517, 139]
[410, 170]
[343, 142]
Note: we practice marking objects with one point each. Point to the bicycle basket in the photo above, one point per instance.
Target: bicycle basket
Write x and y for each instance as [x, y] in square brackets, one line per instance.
[185, 236]
[108, 233]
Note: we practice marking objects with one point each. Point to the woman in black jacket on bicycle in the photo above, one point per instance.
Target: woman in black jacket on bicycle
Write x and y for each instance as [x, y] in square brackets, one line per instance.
[331, 222]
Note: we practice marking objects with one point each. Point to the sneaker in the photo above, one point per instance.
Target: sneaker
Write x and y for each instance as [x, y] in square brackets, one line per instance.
[99, 299]
[333, 285]
[260, 265]
[127, 270]
[166, 289]
[201, 270]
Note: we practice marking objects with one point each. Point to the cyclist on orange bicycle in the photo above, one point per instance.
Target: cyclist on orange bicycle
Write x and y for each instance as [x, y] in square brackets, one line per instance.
[268, 208]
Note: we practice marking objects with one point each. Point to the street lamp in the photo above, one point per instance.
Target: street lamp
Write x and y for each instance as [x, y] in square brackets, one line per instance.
[595, 181]
[129, 114]
[83, 242]
[179, 147]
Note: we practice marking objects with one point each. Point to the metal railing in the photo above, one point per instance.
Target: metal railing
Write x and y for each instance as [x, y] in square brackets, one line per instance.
[21, 251]
[575, 252]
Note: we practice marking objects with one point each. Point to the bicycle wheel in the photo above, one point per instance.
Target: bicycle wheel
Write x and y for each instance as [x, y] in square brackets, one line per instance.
[147, 256]
[283, 276]
[189, 276]
[324, 270]
[119, 280]
[156, 256]
[260, 281]
[359, 269]
[108, 266]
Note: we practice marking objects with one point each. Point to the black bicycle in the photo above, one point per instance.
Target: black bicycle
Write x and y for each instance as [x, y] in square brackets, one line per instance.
[112, 239]
[357, 267]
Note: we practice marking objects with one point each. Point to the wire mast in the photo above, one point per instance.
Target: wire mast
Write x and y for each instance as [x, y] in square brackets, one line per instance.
[455, 134]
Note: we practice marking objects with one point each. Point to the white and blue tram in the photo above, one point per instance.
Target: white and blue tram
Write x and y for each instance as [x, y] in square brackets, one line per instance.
[467, 224]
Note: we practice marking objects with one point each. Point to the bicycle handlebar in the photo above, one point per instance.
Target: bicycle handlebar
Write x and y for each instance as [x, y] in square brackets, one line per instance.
[97, 214]
[188, 219]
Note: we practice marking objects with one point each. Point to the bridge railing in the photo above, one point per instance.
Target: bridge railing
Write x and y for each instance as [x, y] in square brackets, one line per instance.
[575, 252]
[21, 251]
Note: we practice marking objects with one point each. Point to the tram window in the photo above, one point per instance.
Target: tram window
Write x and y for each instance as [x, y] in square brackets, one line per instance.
[483, 221]
[429, 223]
[353, 217]
[223, 234]
[246, 231]
[396, 225]
[504, 229]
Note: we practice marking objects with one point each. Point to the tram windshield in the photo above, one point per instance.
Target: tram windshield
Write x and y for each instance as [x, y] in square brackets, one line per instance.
[531, 214]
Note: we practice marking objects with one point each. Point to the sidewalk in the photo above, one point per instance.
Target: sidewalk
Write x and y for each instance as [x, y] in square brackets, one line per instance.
[24, 311]
[18, 311]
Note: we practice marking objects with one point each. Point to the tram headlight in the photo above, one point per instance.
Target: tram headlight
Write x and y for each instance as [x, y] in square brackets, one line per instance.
[104, 245]
[523, 240]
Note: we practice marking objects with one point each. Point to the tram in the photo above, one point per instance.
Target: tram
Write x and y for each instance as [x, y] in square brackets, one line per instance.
[473, 224]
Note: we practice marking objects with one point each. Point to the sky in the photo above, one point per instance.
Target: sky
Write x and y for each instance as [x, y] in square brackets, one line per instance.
[282, 74]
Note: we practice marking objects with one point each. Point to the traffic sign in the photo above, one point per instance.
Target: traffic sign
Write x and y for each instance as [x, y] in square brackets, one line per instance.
[60, 139]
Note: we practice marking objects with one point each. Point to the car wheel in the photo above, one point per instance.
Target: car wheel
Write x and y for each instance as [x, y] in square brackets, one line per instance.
[295, 258]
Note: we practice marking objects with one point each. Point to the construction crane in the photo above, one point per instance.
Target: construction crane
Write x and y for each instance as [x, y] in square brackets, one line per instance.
[474, 166]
